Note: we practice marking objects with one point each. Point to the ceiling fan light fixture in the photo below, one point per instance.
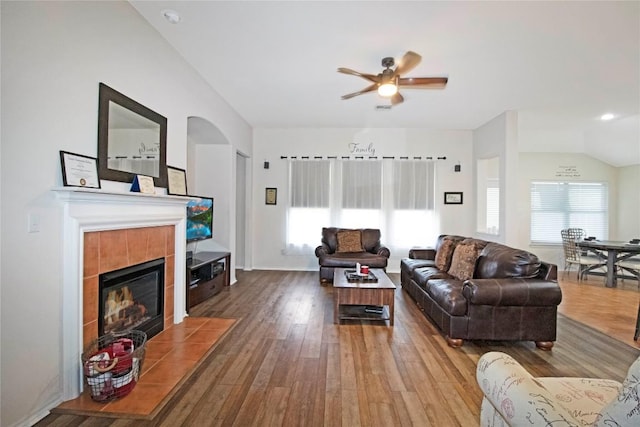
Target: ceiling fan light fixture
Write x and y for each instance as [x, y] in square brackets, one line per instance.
[387, 90]
[388, 82]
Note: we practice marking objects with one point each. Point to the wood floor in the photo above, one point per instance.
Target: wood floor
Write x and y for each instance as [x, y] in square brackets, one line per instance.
[612, 311]
[286, 363]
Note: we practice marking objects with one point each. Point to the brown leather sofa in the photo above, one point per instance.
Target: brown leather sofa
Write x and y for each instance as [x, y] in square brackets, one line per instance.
[510, 294]
[369, 252]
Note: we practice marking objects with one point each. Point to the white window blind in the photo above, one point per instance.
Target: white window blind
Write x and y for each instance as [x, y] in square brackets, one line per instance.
[559, 205]
[493, 207]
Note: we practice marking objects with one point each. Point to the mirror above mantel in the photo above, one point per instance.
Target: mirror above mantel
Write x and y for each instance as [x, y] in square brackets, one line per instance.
[132, 139]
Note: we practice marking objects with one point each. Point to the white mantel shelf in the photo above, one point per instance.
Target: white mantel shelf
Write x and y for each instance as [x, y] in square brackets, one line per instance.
[81, 194]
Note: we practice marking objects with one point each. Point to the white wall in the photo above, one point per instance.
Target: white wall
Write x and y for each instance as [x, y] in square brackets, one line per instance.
[499, 138]
[241, 210]
[553, 167]
[628, 226]
[215, 177]
[269, 222]
[54, 54]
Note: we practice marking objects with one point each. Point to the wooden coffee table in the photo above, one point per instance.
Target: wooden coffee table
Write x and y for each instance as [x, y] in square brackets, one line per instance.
[351, 298]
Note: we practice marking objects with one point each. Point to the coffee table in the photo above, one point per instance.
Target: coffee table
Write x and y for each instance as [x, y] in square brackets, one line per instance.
[351, 298]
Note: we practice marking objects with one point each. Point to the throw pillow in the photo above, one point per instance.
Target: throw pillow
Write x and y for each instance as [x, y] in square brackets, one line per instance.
[443, 256]
[463, 261]
[349, 241]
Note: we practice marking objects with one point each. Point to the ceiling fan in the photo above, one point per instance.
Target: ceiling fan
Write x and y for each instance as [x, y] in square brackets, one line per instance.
[389, 81]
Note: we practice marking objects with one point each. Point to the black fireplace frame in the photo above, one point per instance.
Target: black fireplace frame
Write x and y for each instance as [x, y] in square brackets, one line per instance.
[154, 325]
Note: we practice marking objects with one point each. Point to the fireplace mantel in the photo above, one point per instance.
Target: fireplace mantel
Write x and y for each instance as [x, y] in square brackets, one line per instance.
[80, 194]
[87, 210]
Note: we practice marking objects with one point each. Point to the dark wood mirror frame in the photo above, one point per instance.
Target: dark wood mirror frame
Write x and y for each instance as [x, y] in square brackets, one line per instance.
[108, 95]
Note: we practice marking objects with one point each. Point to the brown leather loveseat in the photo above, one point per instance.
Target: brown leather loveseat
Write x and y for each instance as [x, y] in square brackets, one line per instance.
[343, 248]
[474, 289]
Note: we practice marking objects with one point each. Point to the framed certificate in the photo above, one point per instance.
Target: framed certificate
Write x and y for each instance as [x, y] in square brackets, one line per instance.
[177, 181]
[143, 184]
[79, 170]
[271, 196]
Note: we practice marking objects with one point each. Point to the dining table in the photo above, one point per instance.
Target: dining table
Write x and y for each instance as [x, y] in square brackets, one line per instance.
[613, 252]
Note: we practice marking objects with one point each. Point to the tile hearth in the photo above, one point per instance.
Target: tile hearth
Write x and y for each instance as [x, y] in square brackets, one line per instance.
[171, 357]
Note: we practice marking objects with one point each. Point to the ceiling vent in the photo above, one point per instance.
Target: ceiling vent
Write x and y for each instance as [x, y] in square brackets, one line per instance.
[382, 107]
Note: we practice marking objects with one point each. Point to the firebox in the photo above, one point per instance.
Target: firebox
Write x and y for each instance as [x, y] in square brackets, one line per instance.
[132, 298]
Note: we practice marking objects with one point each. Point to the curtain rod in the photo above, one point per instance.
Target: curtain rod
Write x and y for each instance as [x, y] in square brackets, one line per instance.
[364, 157]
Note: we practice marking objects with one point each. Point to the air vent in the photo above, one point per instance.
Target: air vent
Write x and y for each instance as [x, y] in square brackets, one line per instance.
[382, 107]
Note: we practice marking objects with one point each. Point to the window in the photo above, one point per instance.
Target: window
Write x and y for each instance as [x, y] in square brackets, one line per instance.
[361, 194]
[309, 183]
[559, 205]
[413, 200]
[488, 190]
[493, 207]
[395, 196]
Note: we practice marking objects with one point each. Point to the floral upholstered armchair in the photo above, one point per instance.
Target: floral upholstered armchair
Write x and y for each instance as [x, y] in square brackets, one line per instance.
[513, 397]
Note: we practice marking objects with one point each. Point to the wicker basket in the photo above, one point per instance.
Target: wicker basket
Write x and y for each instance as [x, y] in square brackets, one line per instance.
[112, 364]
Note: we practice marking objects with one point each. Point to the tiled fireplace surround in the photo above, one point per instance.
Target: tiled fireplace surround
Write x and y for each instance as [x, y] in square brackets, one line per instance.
[105, 231]
[106, 251]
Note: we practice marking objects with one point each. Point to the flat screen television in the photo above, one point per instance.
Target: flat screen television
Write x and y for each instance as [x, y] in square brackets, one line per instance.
[200, 219]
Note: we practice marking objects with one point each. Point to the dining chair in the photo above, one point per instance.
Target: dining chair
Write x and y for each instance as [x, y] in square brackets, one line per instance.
[575, 255]
[631, 266]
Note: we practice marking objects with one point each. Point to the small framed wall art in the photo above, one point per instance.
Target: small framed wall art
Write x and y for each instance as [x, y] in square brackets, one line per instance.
[271, 196]
[79, 170]
[453, 198]
[176, 181]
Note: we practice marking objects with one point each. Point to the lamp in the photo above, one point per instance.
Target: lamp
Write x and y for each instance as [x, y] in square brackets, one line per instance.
[388, 83]
[387, 89]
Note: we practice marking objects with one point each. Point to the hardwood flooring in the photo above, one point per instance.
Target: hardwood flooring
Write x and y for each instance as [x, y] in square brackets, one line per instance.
[612, 311]
[286, 362]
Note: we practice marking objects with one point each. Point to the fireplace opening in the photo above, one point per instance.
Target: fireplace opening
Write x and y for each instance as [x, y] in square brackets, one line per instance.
[132, 298]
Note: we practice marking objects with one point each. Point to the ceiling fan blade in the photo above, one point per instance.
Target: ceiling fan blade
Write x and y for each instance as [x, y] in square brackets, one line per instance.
[360, 92]
[423, 82]
[408, 62]
[369, 77]
[397, 99]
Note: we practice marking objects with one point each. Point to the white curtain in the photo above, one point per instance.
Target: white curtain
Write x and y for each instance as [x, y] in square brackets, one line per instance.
[308, 208]
[361, 184]
[411, 219]
[309, 184]
[396, 196]
[413, 184]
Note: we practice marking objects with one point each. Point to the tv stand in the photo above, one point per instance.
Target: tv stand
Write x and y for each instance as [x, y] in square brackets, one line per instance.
[207, 275]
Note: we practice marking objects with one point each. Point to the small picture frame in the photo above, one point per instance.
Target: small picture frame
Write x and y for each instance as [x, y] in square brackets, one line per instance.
[453, 198]
[176, 181]
[271, 196]
[79, 170]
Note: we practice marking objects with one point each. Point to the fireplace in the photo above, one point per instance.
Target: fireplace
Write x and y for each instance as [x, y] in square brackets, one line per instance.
[132, 298]
[105, 231]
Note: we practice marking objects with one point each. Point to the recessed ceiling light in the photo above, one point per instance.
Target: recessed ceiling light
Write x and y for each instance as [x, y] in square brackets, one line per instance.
[171, 16]
[607, 116]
